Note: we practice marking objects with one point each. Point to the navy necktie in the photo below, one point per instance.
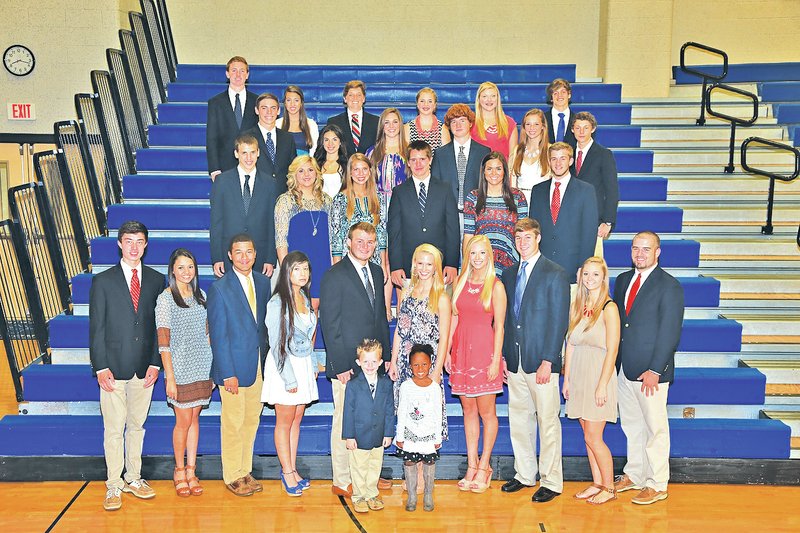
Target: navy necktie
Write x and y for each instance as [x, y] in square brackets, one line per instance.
[522, 280]
[561, 128]
[237, 111]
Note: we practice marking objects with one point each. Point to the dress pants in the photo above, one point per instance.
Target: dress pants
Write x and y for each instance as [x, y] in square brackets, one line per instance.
[239, 420]
[340, 462]
[646, 426]
[365, 469]
[124, 413]
[529, 405]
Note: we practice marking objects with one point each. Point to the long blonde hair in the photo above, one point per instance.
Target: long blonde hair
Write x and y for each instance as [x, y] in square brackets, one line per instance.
[372, 189]
[544, 143]
[466, 272]
[499, 117]
[582, 296]
[437, 289]
[291, 179]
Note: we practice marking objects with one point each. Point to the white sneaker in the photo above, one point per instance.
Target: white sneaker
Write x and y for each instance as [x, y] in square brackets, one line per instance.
[140, 489]
[113, 499]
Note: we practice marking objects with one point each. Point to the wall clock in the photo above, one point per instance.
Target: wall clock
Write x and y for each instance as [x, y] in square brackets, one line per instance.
[19, 60]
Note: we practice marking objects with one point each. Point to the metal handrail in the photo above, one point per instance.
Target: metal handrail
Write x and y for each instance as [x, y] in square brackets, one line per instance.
[733, 120]
[767, 229]
[705, 75]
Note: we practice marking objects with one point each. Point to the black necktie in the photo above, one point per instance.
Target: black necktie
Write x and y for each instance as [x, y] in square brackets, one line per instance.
[237, 111]
[246, 195]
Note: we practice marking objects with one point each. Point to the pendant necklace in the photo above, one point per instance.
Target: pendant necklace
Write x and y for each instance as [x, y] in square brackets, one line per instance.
[314, 222]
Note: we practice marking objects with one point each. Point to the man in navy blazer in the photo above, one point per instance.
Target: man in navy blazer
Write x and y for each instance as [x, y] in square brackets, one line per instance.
[559, 94]
[537, 316]
[460, 119]
[237, 307]
[650, 303]
[283, 145]
[366, 124]
[348, 315]
[595, 164]
[567, 212]
[410, 225]
[229, 216]
[124, 354]
[227, 120]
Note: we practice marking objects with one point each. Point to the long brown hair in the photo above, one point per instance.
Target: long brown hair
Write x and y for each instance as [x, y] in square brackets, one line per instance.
[379, 152]
[372, 189]
[301, 114]
[483, 185]
[544, 143]
[283, 288]
[173, 283]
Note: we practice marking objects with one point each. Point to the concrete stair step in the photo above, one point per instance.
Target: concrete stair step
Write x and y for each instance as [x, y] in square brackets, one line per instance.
[738, 215]
[790, 418]
[767, 325]
[692, 90]
[692, 111]
[751, 247]
[758, 284]
[777, 371]
[695, 136]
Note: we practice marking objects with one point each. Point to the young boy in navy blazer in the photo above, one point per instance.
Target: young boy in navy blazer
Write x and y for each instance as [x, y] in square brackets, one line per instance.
[368, 425]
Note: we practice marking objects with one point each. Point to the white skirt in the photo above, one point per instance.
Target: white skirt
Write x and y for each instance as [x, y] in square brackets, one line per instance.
[274, 391]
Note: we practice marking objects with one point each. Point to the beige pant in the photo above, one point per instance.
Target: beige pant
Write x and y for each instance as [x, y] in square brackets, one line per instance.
[239, 420]
[340, 463]
[529, 405]
[365, 470]
[646, 426]
[124, 413]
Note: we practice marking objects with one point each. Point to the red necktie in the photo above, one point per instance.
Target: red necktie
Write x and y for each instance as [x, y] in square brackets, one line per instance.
[632, 294]
[579, 162]
[355, 128]
[555, 202]
[135, 290]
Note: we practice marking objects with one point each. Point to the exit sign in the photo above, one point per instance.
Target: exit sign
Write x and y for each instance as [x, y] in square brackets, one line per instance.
[20, 111]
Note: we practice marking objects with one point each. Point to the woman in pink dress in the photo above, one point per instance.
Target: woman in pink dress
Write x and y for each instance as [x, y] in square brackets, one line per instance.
[492, 127]
[474, 362]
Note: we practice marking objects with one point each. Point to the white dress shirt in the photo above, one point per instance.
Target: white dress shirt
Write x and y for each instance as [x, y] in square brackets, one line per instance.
[252, 181]
[426, 180]
[358, 266]
[246, 281]
[242, 98]
[264, 132]
[555, 118]
[562, 188]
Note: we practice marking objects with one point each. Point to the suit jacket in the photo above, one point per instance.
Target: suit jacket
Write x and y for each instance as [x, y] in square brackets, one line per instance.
[538, 335]
[600, 169]
[121, 339]
[221, 129]
[347, 317]
[369, 131]
[285, 152]
[649, 336]
[368, 419]
[237, 341]
[408, 227]
[571, 240]
[444, 167]
[569, 137]
[228, 217]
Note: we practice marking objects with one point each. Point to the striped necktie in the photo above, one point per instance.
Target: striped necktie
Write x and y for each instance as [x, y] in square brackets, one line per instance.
[355, 129]
[136, 290]
[461, 168]
[423, 197]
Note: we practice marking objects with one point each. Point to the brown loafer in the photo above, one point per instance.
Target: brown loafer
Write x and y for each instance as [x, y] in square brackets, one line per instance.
[384, 484]
[339, 491]
[240, 487]
[253, 483]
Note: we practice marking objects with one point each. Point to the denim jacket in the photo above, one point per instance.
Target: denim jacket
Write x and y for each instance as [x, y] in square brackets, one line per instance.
[300, 345]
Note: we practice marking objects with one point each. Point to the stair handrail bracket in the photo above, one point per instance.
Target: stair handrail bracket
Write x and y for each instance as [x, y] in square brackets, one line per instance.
[730, 118]
[702, 74]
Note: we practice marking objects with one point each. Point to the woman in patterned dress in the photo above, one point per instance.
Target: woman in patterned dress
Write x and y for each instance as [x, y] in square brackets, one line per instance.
[528, 162]
[493, 209]
[492, 127]
[387, 155]
[186, 357]
[331, 156]
[425, 126]
[295, 121]
[474, 360]
[360, 202]
[305, 197]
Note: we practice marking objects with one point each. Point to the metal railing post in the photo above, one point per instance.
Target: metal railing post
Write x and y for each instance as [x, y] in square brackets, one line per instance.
[767, 228]
[705, 75]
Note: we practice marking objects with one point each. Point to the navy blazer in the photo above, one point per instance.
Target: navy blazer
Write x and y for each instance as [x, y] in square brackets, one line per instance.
[569, 137]
[369, 131]
[539, 333]
[121, 339]
[444, 167]
[368, 420]
[221, 129]
[650, 335]
[600, 169]
[347, 317]
[285, 152]
[572, 239]
[408, 227]
[228, 217]
[237, 341]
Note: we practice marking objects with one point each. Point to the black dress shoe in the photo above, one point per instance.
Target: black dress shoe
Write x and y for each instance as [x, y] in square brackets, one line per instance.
[513, 485]
[544, 495]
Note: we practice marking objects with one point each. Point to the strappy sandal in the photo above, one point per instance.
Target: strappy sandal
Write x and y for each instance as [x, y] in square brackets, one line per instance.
[197, 488]
[605, 490]
[478, 486]
[592, 486]
[463, 484]
[181, 485]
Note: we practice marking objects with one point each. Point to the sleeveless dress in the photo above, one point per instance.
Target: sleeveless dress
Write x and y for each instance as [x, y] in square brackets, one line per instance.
[497, 222]
[493, 139]
[473, 344]
[389, 173]
[587, 365]
[432, 136]
[416, 324]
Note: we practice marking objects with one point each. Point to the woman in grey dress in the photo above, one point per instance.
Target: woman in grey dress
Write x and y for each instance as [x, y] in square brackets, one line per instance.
[186, 356]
